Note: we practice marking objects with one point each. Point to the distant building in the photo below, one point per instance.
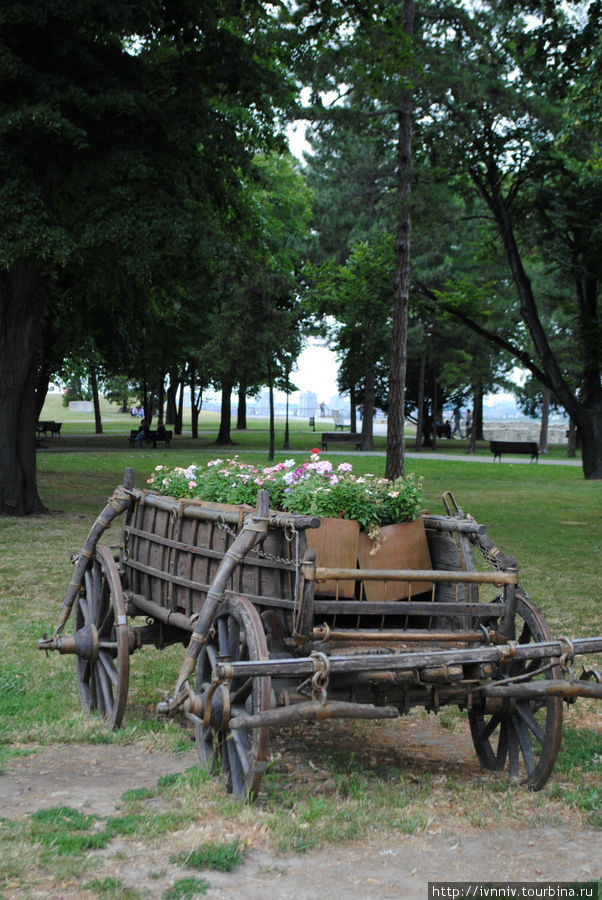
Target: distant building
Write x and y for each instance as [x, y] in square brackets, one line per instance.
[308, 403]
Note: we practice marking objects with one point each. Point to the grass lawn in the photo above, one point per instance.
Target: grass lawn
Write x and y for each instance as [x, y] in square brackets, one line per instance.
[548, 516]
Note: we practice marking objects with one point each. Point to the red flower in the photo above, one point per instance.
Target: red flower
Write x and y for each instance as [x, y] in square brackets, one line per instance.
[315, 450]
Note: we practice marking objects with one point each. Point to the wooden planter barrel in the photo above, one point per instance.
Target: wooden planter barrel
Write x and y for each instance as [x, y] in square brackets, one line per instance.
[404, 546]
[336, 545]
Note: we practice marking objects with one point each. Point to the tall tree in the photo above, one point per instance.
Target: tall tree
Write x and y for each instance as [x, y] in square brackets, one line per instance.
[365, 54]
[256, 316]
[512, 102]
[118, 121]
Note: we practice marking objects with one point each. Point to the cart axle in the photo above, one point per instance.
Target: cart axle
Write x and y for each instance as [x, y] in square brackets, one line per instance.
[314, 710]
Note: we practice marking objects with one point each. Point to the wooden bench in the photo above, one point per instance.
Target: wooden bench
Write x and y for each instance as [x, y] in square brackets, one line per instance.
[339, 421]
[49, 428]
[341, 437]
[151, 437]
[525, 447]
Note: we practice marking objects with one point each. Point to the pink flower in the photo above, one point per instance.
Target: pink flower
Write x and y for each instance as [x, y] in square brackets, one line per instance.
[345, 467]
[191, 485]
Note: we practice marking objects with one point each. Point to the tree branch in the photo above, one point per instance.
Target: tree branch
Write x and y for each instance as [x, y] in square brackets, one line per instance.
[521, 355]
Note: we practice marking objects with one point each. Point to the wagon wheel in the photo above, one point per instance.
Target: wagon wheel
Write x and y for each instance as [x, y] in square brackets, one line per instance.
[102, 655]
[524, 733]
[237, 634]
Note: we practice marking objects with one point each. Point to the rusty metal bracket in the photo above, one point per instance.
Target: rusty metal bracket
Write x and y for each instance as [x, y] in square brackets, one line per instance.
[508, 652]
[319, 681]
[568, 656]
[592, 674]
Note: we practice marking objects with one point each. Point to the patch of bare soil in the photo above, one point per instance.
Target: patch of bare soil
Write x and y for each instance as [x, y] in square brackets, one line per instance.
[391, 865]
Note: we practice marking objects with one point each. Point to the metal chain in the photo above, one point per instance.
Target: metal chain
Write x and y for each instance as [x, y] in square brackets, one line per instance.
[490, 553]
[290, 534]
[262, 553]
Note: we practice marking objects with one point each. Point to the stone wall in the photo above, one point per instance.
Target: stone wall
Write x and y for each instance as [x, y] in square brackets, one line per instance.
[524, 430]
[81, 406]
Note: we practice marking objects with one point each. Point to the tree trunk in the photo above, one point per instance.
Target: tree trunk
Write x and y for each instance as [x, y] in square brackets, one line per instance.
[241, 415]
[161, 400]
[271, 396]
[194, 402]
[21, 300]
[401, 288]
[223, 436]
[180, 412]
[368, 416]
[147, 404]
[352, 411]
[287, 434]
[435, 417]
[472, 441]
[571, 450]
[587, 411]
[477, 413]
[172, 390]
[420, 407]
[41, 390]
[95, 400]
[545, 417]
[47, 362]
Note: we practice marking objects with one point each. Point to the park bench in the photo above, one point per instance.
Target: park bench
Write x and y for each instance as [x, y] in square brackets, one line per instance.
[444, 431]
[339, 420]
[151, 437]
[526, 447]
[47, 428]
[341, 437]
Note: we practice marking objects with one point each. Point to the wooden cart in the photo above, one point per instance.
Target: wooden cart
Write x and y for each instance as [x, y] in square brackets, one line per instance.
[271, 640]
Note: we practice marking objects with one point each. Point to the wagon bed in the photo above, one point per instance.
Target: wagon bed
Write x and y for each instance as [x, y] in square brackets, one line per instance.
[271, 637]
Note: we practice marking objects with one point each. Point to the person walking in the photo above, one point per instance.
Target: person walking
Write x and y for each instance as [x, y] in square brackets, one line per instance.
[457, 421]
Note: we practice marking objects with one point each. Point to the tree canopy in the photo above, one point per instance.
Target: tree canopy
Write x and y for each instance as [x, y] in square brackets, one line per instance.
[125, 129]
[152, 217]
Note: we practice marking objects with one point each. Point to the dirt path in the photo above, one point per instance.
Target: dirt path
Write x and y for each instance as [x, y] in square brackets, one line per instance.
[93, 777]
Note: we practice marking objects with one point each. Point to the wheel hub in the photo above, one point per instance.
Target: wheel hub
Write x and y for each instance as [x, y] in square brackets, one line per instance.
[85, 643]
[217, 715]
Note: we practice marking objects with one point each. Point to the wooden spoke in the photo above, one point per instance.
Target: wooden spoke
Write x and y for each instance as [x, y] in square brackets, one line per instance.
[525, 734]
[102, 666]
[237, 635]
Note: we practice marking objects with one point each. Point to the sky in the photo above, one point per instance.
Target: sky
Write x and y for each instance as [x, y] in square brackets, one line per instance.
[316, 371]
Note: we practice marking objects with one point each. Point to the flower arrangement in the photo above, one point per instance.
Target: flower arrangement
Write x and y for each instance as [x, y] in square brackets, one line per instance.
[315, 487]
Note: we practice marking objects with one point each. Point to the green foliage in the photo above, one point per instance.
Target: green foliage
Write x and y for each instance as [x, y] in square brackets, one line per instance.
[134, 794]
[580, 758]
[65, 816]
[75, 390]
[66, 831]
[147, 119]
[111, 889]
[212, 855]
[312, 488]
[186, 888]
